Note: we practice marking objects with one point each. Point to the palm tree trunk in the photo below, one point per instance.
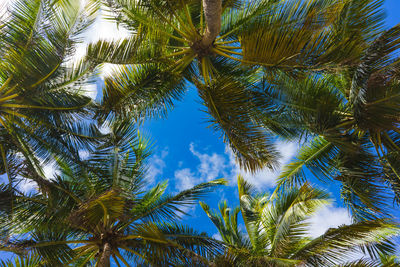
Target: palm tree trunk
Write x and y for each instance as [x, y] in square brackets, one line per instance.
[212, 16]
[104, 260]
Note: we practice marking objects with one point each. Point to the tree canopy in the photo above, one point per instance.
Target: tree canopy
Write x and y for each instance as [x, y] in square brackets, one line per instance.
[324, 73]
[276, 231]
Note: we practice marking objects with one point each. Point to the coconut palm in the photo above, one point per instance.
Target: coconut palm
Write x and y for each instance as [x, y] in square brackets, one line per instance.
[104, 211]
[223, 48]
[352, 121]
[42, 87]
[276, 230]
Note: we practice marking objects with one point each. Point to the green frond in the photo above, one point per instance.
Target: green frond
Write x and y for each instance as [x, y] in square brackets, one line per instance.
[360, 263]
[142, 91]
[225, 100]
[363, 188]
[376, 57]
[104, 209]
[22, 261]
[289, 35]
[133, 50]
[328, 247]
[287, 215]
[154, 206]
[314, 102]
[188, 238]
[41, 89]
[48, 249]
[277, 227]
[244, 187]
[317, 157]
[226, 223]
[169, 244]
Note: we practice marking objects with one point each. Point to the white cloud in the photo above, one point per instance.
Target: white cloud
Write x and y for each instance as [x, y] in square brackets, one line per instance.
[80, 52]
[103, 29]
[27, 186]
[333, 217]
[3, 8]
[184, 179]
[84, 154]
[211, 166]
[24, 185]
[90, 90]
[214, 165]
[156, 166]
[328, 217]
[50, 170]
[217, 236]
[105, 128]
[265, 177]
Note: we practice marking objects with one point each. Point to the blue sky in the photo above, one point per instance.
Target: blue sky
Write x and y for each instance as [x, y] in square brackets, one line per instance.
[186, 153]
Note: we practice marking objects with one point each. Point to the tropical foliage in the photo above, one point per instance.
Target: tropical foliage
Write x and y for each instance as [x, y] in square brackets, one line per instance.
[276, 231]
[323, 72]
[103, 211]
[224, 48]
[44, 109]
[352, 121]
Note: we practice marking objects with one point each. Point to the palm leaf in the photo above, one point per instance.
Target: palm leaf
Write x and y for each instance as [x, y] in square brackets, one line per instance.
[325, 248]
[147, 90]
[224, 101]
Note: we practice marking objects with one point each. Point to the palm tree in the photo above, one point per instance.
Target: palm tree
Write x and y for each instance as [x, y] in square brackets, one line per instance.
[43, 106]
[276, 230]
[104, 211]
[352, 119]
[224, 48]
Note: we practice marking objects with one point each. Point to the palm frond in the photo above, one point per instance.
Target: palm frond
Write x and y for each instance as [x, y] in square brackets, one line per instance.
[375, 58]
[327, 248]
[226, 223]
[317, 157]
[22, 261]
[225, 100]
[142, 91]
[156, 207]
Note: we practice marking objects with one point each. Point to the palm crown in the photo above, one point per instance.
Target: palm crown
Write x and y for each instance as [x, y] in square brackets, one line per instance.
[276, 228]
[224, 48]
[352, 119]
[43, 107]
[103, 211]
